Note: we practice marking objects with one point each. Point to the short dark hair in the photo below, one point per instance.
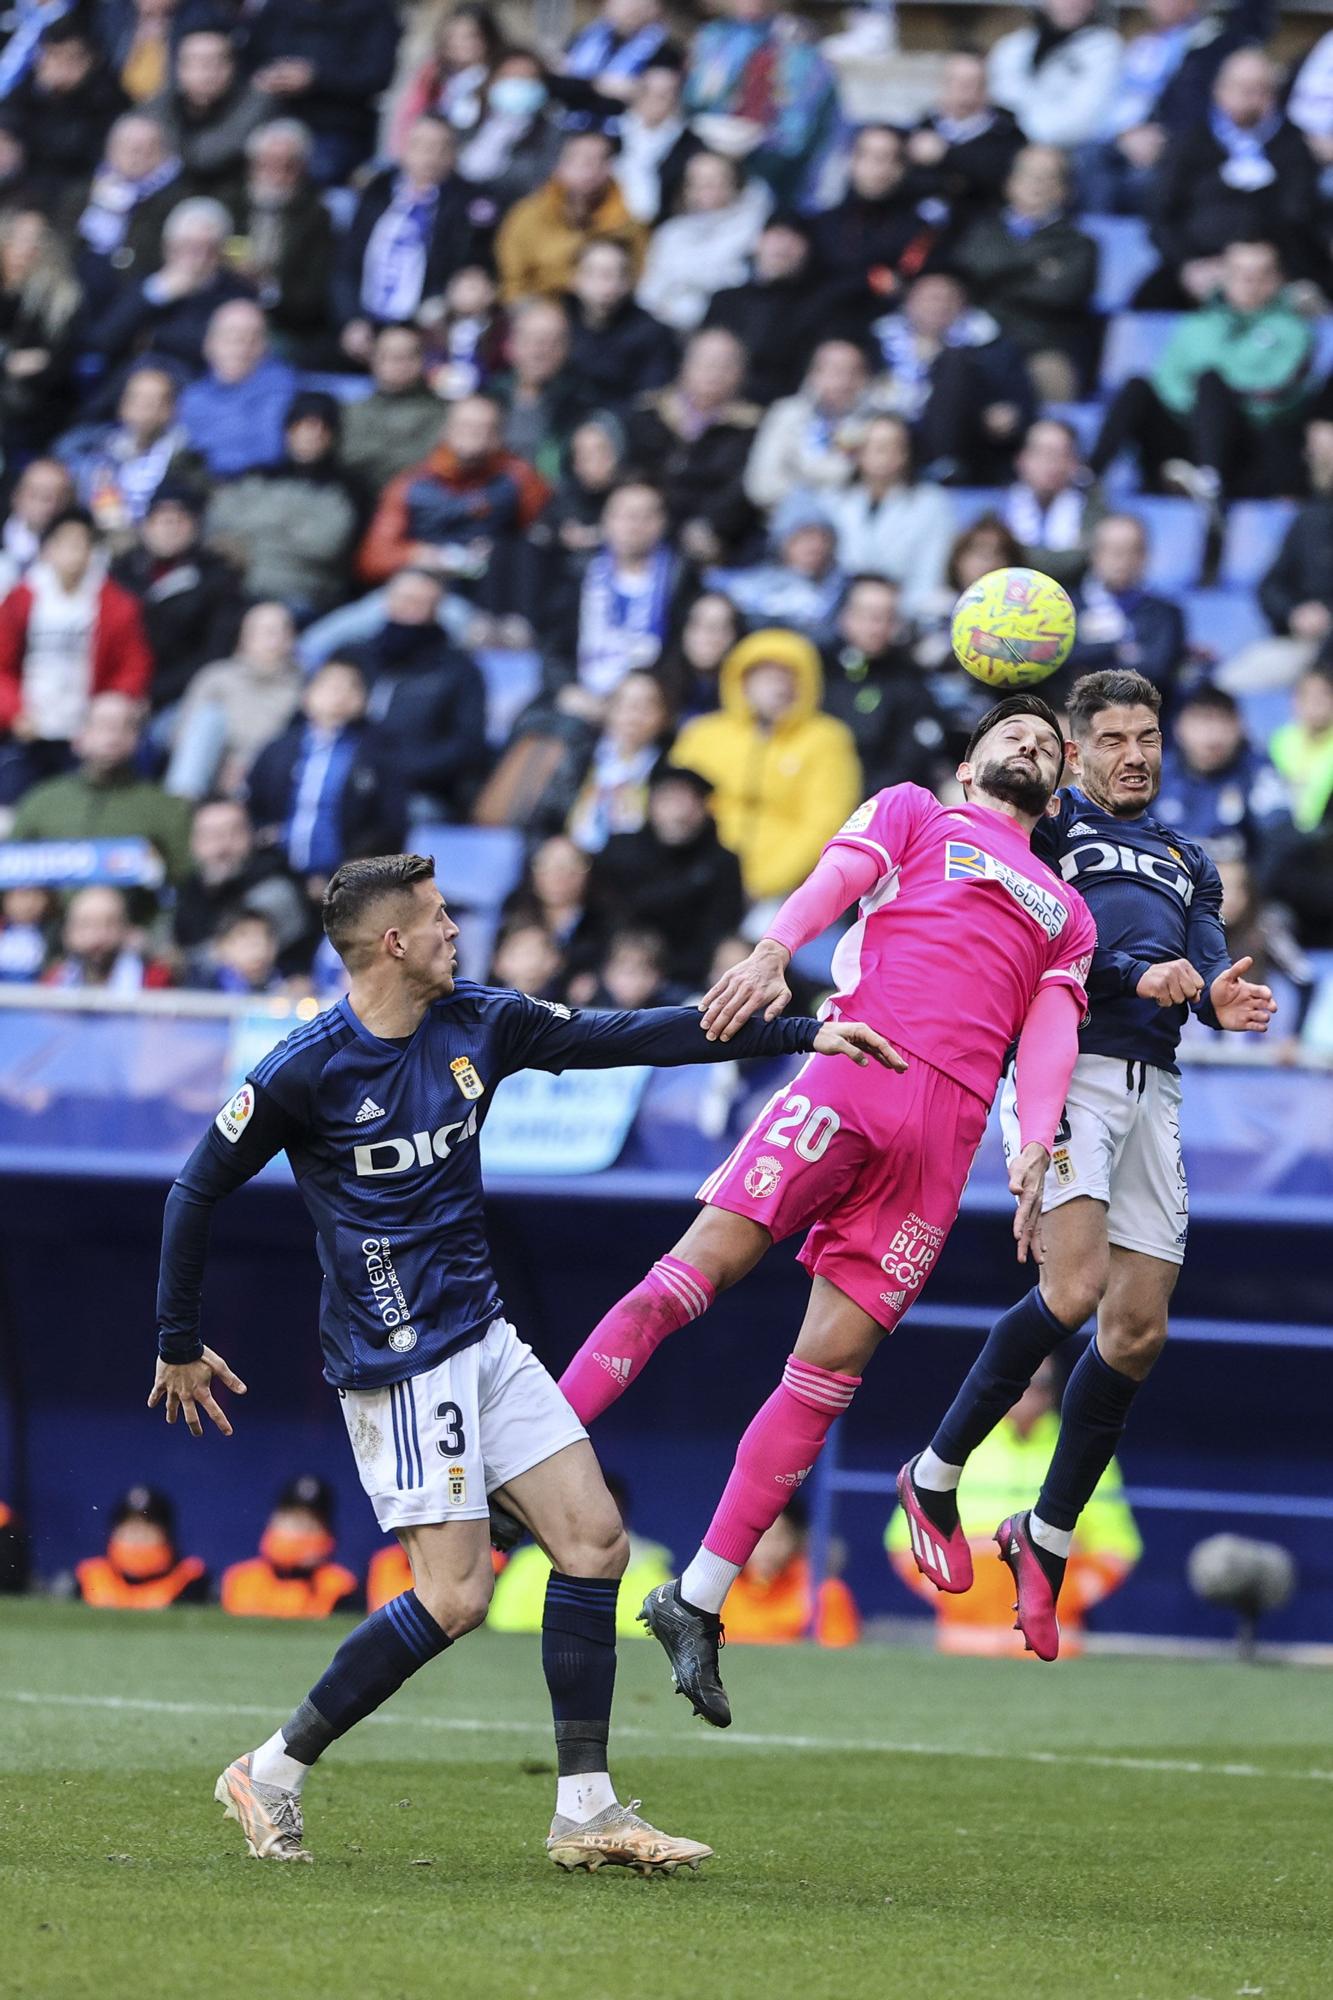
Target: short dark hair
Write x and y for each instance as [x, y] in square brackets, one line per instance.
[70, 517]
[358, 885]
[1116, 688]
[1013, 704]
[1206, 695]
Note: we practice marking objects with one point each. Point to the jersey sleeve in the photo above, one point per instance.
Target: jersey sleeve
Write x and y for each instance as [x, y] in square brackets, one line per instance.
[1205, 935]
[543, 1036]
[882, 826]
[1070, 958]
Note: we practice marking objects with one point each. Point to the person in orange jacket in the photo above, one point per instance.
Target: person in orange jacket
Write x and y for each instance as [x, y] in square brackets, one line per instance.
[770, 1603]
[294, 1574]
[141, 1568]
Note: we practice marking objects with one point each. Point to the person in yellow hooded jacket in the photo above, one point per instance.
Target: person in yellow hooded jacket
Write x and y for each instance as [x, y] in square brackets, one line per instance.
[520, 1590]
[784, 775]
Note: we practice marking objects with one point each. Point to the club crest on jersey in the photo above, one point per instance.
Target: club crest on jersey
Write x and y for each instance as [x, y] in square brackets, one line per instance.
[465, 1076]
[403, 1339]
[233, 1118]
[964, 861]
[763, 1177]
[456, 1485]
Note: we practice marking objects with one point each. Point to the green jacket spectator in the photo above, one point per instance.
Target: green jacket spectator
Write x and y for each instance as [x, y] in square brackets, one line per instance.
[105, 798]
[1264, 356]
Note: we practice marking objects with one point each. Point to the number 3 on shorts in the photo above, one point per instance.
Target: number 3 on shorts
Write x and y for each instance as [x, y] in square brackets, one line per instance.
[816, 1127]
[453, 1444]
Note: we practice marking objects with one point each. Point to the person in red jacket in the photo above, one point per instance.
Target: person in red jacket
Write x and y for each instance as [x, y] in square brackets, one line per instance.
[67, 633]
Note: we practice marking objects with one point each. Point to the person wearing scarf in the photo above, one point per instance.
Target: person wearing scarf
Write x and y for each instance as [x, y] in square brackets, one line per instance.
[132, 193]
[629, 589]
[411, 233]
[753, 66]
[617, 46]
[1057, 75]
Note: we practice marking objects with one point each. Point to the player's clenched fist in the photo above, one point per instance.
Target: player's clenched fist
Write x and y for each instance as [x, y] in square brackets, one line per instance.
[1172, 984]
[861, 1043]
[187, 1385]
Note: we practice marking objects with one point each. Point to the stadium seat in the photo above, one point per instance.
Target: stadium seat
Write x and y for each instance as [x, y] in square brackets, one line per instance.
[1085, 419]
[970, 502]
[1134, 342]
[512, 680]
[1253, 536]
[1223, 621]
[346, 388]
[477, 865]
[1177, 537]
[1125, 256]
[1263, 711]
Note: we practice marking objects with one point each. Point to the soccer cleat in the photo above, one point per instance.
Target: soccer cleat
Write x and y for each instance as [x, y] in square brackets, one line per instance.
[690, 1639]
[943, 1559]
[618, 1838]
[507, 1531]
[269, 1818]
[1036, 1595]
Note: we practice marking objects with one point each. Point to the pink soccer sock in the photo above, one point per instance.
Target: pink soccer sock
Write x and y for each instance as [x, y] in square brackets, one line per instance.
[672, 1294]
[778, 1450]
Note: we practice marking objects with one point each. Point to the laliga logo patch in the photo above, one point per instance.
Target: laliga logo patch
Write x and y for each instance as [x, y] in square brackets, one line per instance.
[456, 1484]
[233, 1118]
[465, 1076]
[860, 819]
[403, 1339]
[763, 1177]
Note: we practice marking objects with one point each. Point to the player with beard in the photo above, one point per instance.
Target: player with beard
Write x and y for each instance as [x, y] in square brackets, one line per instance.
[963, 942]
[1115, 1208]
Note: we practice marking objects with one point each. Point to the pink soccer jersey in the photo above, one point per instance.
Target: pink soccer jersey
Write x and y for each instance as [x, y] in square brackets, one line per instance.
[959, 931]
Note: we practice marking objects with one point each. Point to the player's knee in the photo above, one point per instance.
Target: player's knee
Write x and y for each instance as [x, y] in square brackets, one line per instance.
[594, 1547]
[1074, 1296]
[1131, 1342]
[457, 1607]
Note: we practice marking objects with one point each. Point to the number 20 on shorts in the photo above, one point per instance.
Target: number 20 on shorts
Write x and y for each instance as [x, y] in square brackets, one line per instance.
[813, 1128]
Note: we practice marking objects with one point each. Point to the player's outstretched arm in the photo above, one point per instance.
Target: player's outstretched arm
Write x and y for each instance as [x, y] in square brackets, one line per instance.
[758, 984]
[670, 1036]
[1047, 1051]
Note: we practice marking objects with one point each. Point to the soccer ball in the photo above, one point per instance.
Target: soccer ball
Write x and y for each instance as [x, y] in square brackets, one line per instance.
[1013, 627]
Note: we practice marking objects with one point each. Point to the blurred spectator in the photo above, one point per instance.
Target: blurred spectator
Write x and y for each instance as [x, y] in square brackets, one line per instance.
[1310, 105]
[228, 873]
[801, 584]
[539, 241]
[690, 666]
[62, 109]
[240, 957]
[528, 960]
[811, 439]
[1264, 932]
[553, 894]
[988, 544]
[1222, 412]
[1241, 175]
[757, 89]
[520, 1588]
[99, 947]
[1059, 74]
[43, 490]
[673, 876]
[961, 151]
[872, 683]
[706, 245]
[875, 240]
[208, 111]
[517, 142]
[137, 184]
[136, 36]
[1120, 624]
[234, 415]
[40, 299]
[294, 1575]
[285, 241]
[888, 521]
[412, 231]
[693, 439]
[426, 698]
[189, 597]
[461, 512]
[1035, 271]
[67, 634]
[777, 314]
[28, 929]
[235, 706]
[1302, 749]
[1297, 592]
[1217, 788]
[785, 775]
[291, 526]
[15, 1553]
[1003, 1472]
[627, 600]
[633, 973]
[1051, 506]
[465, 345]
[328, 64]
[773, 1601]
[141, 1568]
[171, 313]
[382, 434]
[616, 46]
[118, 466]
[539, 392]
[324, 791]
[656, 143]
[466, 47]
[572, 523]
[104, 797]
[613, 797]
[961, 384]
[617, 350]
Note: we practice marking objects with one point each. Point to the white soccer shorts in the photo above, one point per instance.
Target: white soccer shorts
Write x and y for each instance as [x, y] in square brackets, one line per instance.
[1119, 1142]
[431, 1449]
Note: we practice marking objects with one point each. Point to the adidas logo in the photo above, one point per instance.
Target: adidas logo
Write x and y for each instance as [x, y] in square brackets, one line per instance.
[793, 1478]
[615, 1364]
[1081, 826]
[369, 1110]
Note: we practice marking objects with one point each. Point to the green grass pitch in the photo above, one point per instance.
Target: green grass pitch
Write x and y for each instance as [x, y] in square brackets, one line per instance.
[886, 1824]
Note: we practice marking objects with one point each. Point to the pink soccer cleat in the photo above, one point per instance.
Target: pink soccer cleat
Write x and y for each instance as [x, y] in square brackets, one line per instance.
[1036, 1596]
[945, 1560]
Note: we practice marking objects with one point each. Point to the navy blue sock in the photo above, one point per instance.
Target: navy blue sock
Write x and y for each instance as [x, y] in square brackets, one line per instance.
[369, 1666]
[1015, 1348]
[1092, 1417]
[579, 1661]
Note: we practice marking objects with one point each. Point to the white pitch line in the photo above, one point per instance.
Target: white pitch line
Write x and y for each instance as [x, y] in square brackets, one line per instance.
[468, 1725]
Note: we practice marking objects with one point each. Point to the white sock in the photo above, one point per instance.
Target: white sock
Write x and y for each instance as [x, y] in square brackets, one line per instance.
[936, 1474]
[582, 1797]
[1058, 1540]
[270, 1764]
[707, 1580]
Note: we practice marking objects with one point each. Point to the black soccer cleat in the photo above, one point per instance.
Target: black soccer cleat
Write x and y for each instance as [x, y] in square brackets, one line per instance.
[507, 1531]
[690, 1640]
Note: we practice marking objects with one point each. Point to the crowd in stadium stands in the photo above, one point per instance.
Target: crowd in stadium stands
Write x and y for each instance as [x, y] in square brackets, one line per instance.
[408, 430]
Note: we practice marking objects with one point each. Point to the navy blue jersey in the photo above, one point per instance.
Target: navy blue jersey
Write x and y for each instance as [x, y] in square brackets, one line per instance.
[1153, 897]
[382, 1139]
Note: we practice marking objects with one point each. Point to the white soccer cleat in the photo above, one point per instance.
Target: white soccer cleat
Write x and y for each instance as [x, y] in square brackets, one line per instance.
[618, 1838]
[269, 1818]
